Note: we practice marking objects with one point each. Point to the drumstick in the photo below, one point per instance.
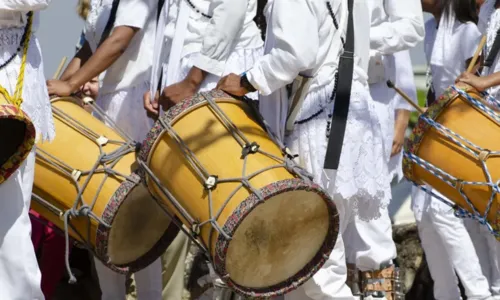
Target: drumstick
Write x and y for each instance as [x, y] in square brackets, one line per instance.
[476, 55]
[60, 67]
[391, 85]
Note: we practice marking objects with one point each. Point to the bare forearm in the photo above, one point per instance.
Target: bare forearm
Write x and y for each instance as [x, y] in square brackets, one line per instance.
[491, 80]
[402, 118]
[80, 58]
[110, 50]
[196, 76]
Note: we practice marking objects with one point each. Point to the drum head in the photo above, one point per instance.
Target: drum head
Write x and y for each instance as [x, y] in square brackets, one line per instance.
[280, 243]
[140, 230]
[17, 134]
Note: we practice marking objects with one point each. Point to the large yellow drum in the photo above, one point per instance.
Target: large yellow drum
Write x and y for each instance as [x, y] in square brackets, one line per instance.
[85, 180]
[455, 148]
[265, 225]
[17, 136]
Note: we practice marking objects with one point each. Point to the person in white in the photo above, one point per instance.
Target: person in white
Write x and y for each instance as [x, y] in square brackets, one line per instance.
[125, 56]
[197, 42]
[305, 37]
[445, 240]
[395, 26]
[19, 273]
[487, 247]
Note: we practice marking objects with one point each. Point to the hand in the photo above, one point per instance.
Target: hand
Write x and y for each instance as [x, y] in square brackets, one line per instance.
[477, 82]
[398, 142]
[151, 107]
[175, 93]
[59, 88]
[231, 85]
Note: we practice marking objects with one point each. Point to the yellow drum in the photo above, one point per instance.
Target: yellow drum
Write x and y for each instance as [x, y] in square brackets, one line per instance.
[455, 148]
[265, 225]
[17, 134]
[85, 182]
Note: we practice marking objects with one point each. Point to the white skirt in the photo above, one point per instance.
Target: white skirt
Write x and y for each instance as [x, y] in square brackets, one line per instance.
[35, 95]
[362, 176]
[125, 107]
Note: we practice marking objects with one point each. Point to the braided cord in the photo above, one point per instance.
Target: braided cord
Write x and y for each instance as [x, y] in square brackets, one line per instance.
[17, 99]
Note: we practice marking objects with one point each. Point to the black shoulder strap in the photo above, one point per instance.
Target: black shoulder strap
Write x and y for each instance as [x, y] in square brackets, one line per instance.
[493, 51]
[111, 22]
[342, 98]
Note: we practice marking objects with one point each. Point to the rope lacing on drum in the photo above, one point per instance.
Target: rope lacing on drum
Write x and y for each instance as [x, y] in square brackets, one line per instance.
[481, 154]
[104, 164]
[212, 180]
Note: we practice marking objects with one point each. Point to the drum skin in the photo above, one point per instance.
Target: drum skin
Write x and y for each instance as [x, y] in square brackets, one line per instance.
[456, 113]
[278, 243]
[17, 136]
[140, 231]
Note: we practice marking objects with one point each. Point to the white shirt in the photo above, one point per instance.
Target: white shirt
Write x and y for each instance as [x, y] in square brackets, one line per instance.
[458, 52]
[229, 27]
[134, 65]
[304, 40]
[396, 25]
[13, 12]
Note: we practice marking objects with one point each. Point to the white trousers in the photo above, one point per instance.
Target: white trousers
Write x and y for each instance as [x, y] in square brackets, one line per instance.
[148, 281]
[19, 273]
[369, 244]
[488, 252]
[449, 250]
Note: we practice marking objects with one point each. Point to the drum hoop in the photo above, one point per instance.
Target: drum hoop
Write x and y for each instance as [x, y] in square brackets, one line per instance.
[69, 98]
[9, 111]
[246, 207]
[173, 115]
[108, 217]
[413, 143]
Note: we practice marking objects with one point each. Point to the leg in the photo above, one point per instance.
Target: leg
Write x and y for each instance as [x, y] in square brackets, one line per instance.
[494, 257]
[481, 246]
[112, 284]
[19, 273]
[174, 266]
[148, 282]
[461, 252]
[440, 267]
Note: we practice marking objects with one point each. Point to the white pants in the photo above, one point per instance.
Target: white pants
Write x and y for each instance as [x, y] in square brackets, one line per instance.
[148, 281]
[488, 252]
[19, 273]
[369, 244]
[449, 249]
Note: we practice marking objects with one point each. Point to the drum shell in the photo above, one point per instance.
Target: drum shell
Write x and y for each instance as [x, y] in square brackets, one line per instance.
[21, 144]
[201, 130]
[58, 188]
[455, 113]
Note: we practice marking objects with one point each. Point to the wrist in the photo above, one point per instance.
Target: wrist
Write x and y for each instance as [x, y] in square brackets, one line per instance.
[245, 83]
[73, 84]
[195, 77]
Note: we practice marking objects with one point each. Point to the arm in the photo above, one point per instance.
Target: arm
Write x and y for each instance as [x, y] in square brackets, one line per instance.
[403, 30]
[75, 64]
[295, 29]
[221, 34]
[24, 5]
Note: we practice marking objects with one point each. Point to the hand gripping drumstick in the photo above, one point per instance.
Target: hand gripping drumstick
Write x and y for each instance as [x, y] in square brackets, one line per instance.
[476, 55]
[391, 85]
[59, 68]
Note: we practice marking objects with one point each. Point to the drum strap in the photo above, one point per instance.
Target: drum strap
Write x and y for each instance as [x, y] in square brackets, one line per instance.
[493, 51]
[111, 22]
[342, 98]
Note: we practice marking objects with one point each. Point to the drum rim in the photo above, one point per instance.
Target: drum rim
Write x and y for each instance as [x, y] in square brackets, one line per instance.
[103, 232]
[9, 111]
[172, 115]
[246, 207]
[413, 143]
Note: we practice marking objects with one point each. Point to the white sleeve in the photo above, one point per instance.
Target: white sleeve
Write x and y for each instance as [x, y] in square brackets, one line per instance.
[23, 5]
[403, 30]
[470, 33]
[294, 29]
[135, 13]
[220, 35]
[404, 80]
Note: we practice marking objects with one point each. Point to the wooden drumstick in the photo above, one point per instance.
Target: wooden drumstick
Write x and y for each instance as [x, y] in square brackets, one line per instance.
[476, 55]
[59, 68]
[391, 85]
